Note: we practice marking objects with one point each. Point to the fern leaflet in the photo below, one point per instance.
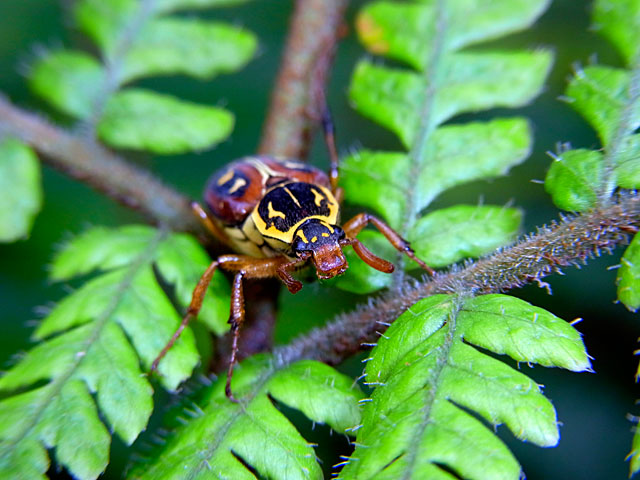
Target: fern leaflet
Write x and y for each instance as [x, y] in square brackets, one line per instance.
[428, 373]
[99, 341]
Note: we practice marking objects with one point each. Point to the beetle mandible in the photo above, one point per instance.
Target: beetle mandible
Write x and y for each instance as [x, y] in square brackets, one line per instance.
[279, 215]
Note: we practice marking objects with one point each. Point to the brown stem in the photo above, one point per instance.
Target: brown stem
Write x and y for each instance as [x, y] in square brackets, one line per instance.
[299, 87]
[569, 242]
[90, 163]
[315, 28]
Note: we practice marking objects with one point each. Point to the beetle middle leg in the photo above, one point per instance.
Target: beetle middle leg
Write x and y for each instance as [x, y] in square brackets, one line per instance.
[357, 223]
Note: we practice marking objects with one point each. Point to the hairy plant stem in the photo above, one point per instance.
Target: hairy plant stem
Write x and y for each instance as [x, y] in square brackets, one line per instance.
[568, 242]
[92, 164]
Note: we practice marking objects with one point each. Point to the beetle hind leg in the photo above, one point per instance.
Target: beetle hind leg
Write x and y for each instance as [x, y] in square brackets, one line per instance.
[192, 312]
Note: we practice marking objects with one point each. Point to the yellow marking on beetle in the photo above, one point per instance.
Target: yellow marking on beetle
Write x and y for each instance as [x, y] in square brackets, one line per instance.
[226, 177]
[295, 200]
[274, 213]
[325, 234]
[286, 237]
[314, 239]
[317, 197]
[239, 183]
[301, 235]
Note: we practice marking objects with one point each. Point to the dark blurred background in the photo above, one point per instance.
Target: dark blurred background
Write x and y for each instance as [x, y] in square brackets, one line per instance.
[592, 408]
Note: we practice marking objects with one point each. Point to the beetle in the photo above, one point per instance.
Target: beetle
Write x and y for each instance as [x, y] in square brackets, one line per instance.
[279, 215]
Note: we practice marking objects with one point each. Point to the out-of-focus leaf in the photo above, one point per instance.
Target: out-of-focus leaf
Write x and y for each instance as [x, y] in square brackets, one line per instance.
[447, 236]
[600, 94]
[193, 47]
[69, 81]
[406, 31]
[629, 276]
[105, 21]
[172, 5]
[21, 189]
[143, 120]
[575, 179]
[619, 21]
[627, 167]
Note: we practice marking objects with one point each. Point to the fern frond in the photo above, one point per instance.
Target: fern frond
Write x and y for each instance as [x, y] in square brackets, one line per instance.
[100, 340]
[238, 440]
[446, 79]
[429, 373]
[138, 39]
[609, 99]
[21, 188]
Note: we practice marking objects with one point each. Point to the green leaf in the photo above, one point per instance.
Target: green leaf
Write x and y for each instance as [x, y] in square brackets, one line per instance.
[469, 82]
[227, 439]
[627, 169]
[21, 187]
[404, 31]
[457, 154]
[426, 367]
[105, 22]
[575, 179]
[142, 120]
[101, 248]
[629, 276]
[508, 325]
[447, 236]
[619, 21]
[600, 94]
[172, 5]
[92, 345]
[201, 49]
[68, 80]
[181, 261]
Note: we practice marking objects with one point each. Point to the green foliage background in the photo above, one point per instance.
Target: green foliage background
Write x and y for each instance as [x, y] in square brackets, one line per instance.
[595, 433]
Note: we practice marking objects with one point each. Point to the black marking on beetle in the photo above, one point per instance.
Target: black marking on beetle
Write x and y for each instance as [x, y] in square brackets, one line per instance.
[297, 201]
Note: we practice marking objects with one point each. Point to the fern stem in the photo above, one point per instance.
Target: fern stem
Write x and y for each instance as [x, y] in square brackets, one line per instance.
[94, 165]
[621, 134]
[427, 126]
[569, 242]
[314, 31]
[58, 383]
[113, 64]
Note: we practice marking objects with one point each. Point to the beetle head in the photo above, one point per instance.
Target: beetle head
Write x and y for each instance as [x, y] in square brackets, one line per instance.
[323, 241]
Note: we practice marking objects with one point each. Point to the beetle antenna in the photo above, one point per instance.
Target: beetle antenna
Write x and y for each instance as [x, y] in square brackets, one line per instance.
[368, 256]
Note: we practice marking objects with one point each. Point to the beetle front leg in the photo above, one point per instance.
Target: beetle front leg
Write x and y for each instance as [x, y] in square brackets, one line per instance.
[284, 269]
[357, 223]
